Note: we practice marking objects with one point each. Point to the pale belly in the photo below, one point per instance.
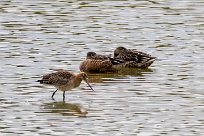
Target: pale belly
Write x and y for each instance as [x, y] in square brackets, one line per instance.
[67, 87]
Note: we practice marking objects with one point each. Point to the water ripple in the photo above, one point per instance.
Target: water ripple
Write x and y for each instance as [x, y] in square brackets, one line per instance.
[38, 37]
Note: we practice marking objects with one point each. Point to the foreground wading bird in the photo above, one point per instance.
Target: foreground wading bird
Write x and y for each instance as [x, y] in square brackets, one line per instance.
[133, 58]
[99, 63]
[64, 81]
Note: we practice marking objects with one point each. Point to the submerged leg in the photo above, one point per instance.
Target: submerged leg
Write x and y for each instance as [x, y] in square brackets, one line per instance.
[54, 94]
[63, 96]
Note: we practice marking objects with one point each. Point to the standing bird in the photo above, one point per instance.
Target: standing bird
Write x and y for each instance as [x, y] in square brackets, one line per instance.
[99, 63]
[64, 80]
[133, 58]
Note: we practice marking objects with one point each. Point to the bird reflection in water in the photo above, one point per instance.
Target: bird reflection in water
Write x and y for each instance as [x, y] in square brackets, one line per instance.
[100, 77]
[65, 109]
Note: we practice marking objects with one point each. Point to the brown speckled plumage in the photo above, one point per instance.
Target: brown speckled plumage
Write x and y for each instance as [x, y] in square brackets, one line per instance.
[60, 77]
[64, 80]
[133, 58]
[99, 63]
[93, 55]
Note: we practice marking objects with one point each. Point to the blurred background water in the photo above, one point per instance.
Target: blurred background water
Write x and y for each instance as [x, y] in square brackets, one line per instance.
[39, 36]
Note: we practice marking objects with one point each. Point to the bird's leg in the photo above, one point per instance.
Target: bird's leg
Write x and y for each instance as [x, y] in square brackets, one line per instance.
[63, 103]
[63, 96]
[54, 94]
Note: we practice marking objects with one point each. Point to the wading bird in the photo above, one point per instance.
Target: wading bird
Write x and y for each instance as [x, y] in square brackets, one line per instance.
[64, 80]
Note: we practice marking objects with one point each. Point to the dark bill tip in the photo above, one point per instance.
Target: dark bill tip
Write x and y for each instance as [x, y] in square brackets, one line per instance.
[89, 84]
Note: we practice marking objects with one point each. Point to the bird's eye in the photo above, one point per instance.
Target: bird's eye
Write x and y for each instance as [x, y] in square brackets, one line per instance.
[84, 76]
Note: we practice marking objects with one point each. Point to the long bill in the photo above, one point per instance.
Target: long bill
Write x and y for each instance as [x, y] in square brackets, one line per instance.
[88, 84]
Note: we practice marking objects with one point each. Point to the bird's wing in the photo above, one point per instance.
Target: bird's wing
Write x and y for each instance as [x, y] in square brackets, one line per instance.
[60, 77]
[139, 53]
[127, 56]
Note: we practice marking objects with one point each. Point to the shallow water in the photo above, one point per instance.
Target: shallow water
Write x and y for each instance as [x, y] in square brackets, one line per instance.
[37, 37]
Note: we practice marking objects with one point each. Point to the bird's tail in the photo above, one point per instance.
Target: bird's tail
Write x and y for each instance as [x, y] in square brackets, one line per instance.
[148, 63]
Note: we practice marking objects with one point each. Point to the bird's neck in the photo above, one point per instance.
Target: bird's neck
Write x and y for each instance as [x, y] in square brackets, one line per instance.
[77, 80]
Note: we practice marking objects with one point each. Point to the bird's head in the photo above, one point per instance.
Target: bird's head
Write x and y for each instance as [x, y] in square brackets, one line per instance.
[84, 77]
[90, 55]
[119, 50]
